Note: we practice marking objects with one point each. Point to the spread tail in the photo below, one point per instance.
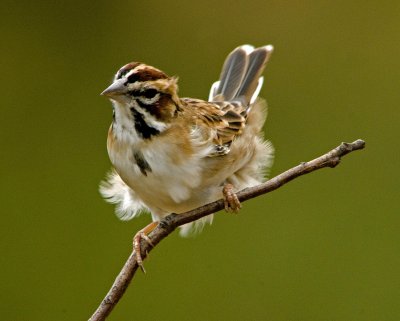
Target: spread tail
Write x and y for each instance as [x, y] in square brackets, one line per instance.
[240, 79]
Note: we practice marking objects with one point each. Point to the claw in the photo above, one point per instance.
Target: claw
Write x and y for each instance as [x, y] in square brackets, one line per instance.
[142, 234]
[231, 201]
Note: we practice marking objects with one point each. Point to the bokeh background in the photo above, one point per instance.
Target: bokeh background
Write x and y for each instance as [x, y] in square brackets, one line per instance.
[324, 247]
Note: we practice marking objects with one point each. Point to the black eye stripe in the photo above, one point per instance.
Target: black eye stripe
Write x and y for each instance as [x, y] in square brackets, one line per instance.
[149, 93]
[134, 93]
[146, 93]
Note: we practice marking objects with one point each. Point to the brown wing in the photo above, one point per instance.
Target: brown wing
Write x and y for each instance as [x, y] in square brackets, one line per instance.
[225, 119]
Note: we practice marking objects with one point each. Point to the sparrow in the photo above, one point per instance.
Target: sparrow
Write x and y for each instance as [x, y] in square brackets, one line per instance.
[172, 154]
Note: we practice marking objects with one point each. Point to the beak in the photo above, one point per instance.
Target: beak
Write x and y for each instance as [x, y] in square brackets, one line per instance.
[115, 89]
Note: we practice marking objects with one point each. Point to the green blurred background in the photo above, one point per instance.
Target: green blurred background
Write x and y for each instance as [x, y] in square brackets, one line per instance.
[324, 247]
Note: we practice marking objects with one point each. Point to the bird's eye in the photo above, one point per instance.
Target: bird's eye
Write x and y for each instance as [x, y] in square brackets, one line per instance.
[149, 93]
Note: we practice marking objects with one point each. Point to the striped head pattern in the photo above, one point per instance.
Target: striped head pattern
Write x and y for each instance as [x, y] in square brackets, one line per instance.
[149, 93]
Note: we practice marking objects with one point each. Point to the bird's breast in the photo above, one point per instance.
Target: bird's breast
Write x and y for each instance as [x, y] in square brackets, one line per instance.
[166, 173]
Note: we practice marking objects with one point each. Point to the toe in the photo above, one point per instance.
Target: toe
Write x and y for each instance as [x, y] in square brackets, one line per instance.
[142, 234]
[231, 201]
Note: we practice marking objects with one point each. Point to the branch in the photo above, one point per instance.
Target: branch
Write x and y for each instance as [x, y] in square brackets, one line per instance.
[172, 221]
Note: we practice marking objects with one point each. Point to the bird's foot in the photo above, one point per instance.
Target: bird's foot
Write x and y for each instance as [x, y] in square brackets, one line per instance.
[231, 201]
[142, 234]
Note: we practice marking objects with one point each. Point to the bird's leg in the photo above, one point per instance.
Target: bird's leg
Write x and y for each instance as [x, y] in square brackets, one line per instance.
[231, 201]
[142, 234]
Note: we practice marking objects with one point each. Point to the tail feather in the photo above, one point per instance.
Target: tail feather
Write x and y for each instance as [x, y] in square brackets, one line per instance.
[257, 61]
[241, 75]
[233, 72]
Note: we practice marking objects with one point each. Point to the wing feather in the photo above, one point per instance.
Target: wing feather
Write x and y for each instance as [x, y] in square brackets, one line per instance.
[224, 119]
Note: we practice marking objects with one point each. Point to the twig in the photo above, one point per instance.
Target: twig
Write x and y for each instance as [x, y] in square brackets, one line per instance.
[172, 221]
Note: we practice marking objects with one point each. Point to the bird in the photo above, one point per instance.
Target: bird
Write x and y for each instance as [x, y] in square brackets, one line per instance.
[172, 154]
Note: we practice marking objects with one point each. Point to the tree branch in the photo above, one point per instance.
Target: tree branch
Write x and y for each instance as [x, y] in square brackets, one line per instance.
[172, 221]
